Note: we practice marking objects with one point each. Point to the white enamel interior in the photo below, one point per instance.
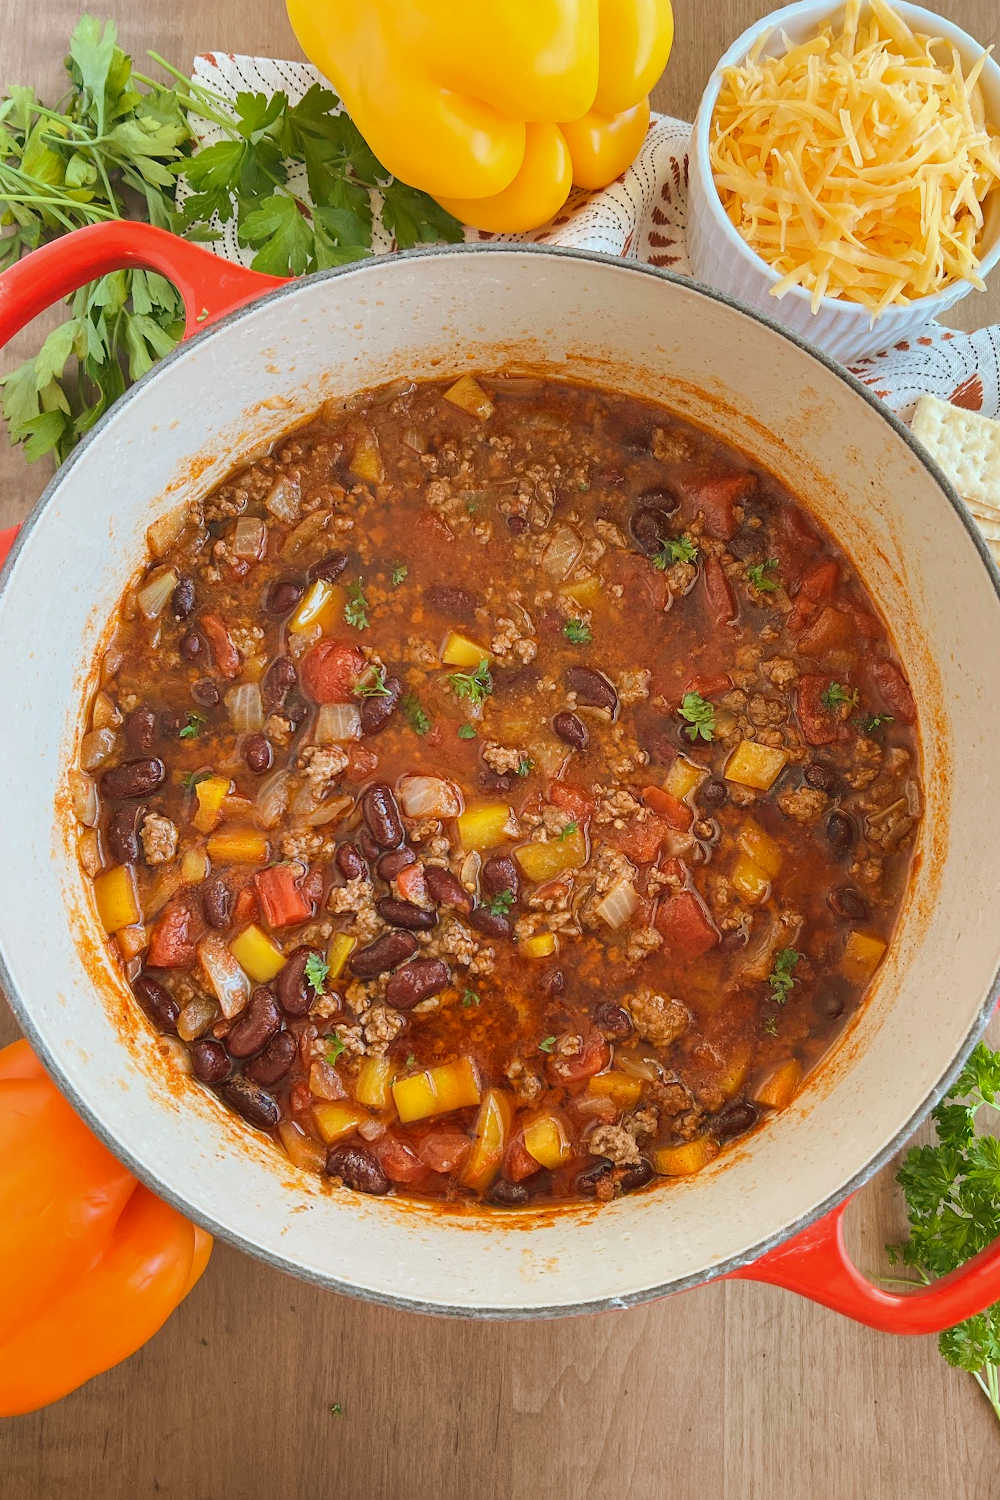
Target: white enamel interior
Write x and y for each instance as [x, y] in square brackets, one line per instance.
[620, 325]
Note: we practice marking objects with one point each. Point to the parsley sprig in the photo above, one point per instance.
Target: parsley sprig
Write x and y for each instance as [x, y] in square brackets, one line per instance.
[836, 694]
[781, 978]
[192, 728]
[356, 608]
[700, 716]
[372, 684]
[757, 576]
[415, 714]
[674, 550]
[577, 632]
[316, 971]
[500, 904]
[475, 686]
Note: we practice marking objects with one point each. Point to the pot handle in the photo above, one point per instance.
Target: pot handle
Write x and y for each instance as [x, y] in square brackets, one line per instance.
[815, 1264]
[209, 286]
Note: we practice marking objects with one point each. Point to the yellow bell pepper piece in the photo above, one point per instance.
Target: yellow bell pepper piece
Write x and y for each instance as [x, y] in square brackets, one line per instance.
[210, 795]
[468, 395]
[681, 1161]
[587, 591]
[238, 846]
[459, 651]
[366, 460]
[542, 945]
[322, 604]
[492, 1134]
[780, 1087]
[337, 1119]
[545, 861]
[374, 1085]
[749, 881]
[341, 947]
[862, 956]
[683, 777]
[436, 1091]
[194, 866]
[761, 848]
[621, 1088]
[257, 954]
[490, 86]
[736, 1065]
[484, 826]
[545, 1139]
[755, 765]
[117, 901]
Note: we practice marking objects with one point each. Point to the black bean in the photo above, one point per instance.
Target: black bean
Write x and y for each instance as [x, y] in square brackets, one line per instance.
[636, 1175]
[123, 834]
[491, 923]
[157, 1002]
[217, 903]
[256, 1026]
[446, 889]
[206, 693]
[140, 729]
[571, 729]
[387, 952]
[405, 914]
[592, 688]
[447, 600]
[357, 1168]
[279, 678]
[248, 1099]
[134, 778]
[821, 778]
[849, 903]
[190, 645]
[612, 1021]
[416, 981]
[381, 812]
[275, 1060]
[736, 1119]
[182, 598]
[507, 1194]
[282, 597]
[350, 862]
[587, 1181]
[257, 753]
[378, 708]
[210, 1062]
[713, 793]
[650, 527]
[390, 864]
[329, 568]
[841, 832]
[295, 993]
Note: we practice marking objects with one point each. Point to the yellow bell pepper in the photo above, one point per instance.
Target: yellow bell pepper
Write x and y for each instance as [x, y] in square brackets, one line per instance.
[117, 902]
[436, 1091]
[494, 108]
[257, 955]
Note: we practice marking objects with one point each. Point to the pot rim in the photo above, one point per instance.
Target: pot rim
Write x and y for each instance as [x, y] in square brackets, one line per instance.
[124, 1152]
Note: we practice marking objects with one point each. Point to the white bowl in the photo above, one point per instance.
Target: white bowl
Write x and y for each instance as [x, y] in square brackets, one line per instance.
[720, 256]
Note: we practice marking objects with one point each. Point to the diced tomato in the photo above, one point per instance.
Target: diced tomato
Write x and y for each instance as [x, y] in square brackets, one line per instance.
[411, 885]
[667, 806]
[865, 624]
[443, 1150]
[817, 586]
[282, 900]
[330, 670]
[571, 799]
[721, 605]
[819, 725]
[574, 1067]
[312, 885]
[830, 630]
[245, 908]
[361, 762]
[227, 658]
[715, 499]
[398, 1160]
[639, 580]
[518, 1162]
[795, 532]
[686, 925]
[640, 840]
[709, 685]
[300, 1102]
[673, 868]
[894, 690]
[172, 941]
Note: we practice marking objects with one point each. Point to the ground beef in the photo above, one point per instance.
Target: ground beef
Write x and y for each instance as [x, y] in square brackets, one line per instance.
[159, 839]
[614, 1142]
[526, 1084]
[380, 1027]
[658, 1019]
[780, 671]
[502, 758]
[322, 764]
[510, 644]
[803, 803]
[633, 686]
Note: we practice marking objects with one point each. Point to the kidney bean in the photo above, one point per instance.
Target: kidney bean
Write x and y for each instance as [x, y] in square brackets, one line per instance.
[571, 729]
[390, 864]
[516, 525]
[448, 600]
[635, 1176]
[368, 846]
[736, 1119]
[257, 753]
[123, 834]
[841, 832]
[849, 903]
[256, 1025]
[713, 793]
[190, 645]
[275, 1060]
[500, 874]
[821, 778]
[599, 1171]
[182, 598]
[506, 1194]
[295, 993]
[490, 923]
[660, 499]
[157, 1002]
[378, 708]
[329, 567]
[650, 526]
[171, 722]
[295, 709]
[417, 981]
[612, 1021]
[350, 862]
[554, 983]
[357, 1168]
[205, 693]
[140, 729]
[405, 914]
[446, 889]
[134, 778]
[387, 952]
[381, 812]
[255, 1104]
[592, 688]
[282, 597]
[278, 680]
[210, 1062]
[217, 903]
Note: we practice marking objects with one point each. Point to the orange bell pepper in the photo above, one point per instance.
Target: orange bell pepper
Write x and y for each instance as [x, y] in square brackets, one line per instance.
[91, 1262]
[494, 108]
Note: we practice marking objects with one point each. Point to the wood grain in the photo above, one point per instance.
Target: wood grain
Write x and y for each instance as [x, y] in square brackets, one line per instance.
[727, 1391]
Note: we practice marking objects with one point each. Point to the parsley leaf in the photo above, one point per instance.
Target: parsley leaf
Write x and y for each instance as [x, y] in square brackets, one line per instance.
[546, 1044]
[466, 732]
[567, 832]
[770, 1025]
[525, 766]
[192, 728]
[757, 576]
[836, 694]
[577, 632]
[191, 779]
[700, 716]
[336, 1410]
[372, 685]
[475, 686]
[872, 723]
[334, 1047]
[316, 971]
[469, 997]
[399, 574]
[780, 978]
[674, 550]
[356, 608]
[500, 904]
[414, 714]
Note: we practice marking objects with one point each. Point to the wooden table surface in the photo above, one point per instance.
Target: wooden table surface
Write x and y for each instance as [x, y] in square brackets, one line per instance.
[728, 1391]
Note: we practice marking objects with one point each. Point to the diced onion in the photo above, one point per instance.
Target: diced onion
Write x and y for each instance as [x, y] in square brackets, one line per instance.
[249, 536]
[83, 791]
[272, 798]
[97, 747]
[325, 1082]
[637, 1066]
[244, 707]
[155, 592]
[619, 904]
[371, 1130]
[196, 1017]
[301, 1149]
[305, 532]
[337, 721]
[469, 873]
[414, 439]
[165, 530]
[283, 501]
[429, 797]
[229, 984]
[104, 715]
[88, 852]
[175, 1053]
[563, 552]
[329, 811]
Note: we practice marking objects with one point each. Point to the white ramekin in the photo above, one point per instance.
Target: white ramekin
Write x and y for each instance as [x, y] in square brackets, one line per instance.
[721, 258]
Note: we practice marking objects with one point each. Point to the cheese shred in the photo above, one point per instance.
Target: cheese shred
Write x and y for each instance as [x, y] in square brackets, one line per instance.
[858, 164]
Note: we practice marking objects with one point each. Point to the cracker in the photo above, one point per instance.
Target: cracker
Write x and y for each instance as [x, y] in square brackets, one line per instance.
[967, 447]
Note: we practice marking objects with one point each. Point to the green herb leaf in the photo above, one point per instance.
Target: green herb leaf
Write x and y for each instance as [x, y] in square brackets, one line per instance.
[192, 778]
[414, 714]
[500, 904]
[700, 716]
[757, 576]
[466, 732]
[546, 1044]
[567, 832]
[372, 684]
[577, 632]
[399, 574]
[334, 1048]
[356, 608]
[872, 723]
[336, 1410]
[525, 766]
[836, 694]
[316, 971]
[781, 976]
[475, 686]
[192, 728]
[469, 997]
[770, 1025]
[674, 550]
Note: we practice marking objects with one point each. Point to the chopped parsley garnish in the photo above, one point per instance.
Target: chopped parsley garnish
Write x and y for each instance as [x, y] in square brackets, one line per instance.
[471, 505]
[469, 997]
[316, 971]
[414, 714]
[836, 694]
[192, 728]
[466, 732]
[525, 766]
[567, 832]
[191, 779]
[872, 723]
[577, 632]
[410, 1059]
[372, 685]
[546, 1044]
[500, 904]
[336, 1410]
[334, 1047]
[770, 1025]
[674, 550]
[356, 608]
[399, 574]
[780, 978]
[757, 575]
[475, 686]
[700, 716]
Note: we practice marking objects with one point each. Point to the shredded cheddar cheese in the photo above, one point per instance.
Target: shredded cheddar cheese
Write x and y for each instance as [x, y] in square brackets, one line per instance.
[858, 163]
